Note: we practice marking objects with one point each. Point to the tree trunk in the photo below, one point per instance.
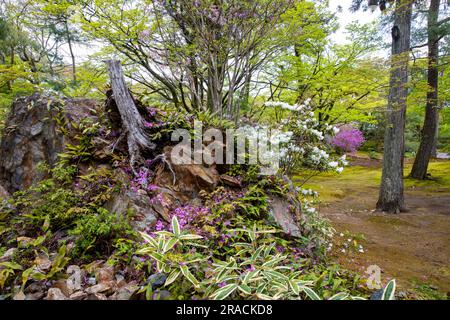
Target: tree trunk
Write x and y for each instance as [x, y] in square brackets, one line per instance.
[391, 197]
[133, 124]
[428, 141]
[72, 55]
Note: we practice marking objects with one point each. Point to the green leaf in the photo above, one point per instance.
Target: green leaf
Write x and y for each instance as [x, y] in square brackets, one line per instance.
[157, 256]
[358, 298]
[310, 293]
[340, 296]
[46, 224]
[11, 265]
[149, 239]
[190, 237]
[294, 286]
[224, 292]
[249, 276]
[148, 292]
[389, 291]
[262, 296]
[245, 289]
[261, 288]
[172, 277]
[189, 276]
[176, 226]
[26, 276]
[276, 275]
[170, 244]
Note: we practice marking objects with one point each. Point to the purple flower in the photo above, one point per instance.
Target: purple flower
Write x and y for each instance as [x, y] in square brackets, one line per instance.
[348, 139]
[159, 226]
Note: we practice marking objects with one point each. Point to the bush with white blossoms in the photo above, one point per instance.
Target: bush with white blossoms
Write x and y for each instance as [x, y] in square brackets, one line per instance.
[306, 147]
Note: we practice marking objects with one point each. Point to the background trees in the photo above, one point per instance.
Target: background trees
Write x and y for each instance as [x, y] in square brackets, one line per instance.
[200, 55]
[436, 30]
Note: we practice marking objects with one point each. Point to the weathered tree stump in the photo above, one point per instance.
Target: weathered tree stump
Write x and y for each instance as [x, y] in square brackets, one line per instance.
[133, 123]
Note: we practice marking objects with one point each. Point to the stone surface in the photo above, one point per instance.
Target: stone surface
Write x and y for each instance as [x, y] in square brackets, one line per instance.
[99, 288]
[190, 179]
[55, 294]
[19, 296]
[144, 213]
[79, 295]
[31, 136]
[157, 280]
[35, 296]
[38, 286]
[7, 255]
[376, 295]
[281, 213]
[96, 296]
[76, 275]
[61, 284]
[230, 181]
[126, 292]
[105, 274]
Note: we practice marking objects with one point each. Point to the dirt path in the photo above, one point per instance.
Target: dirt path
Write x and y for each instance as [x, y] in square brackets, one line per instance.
[413, 247]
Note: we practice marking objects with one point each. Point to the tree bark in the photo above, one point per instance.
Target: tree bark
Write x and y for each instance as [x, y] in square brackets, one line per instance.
[133, 123]
[391, 198]
[429, 131]
[72, 55]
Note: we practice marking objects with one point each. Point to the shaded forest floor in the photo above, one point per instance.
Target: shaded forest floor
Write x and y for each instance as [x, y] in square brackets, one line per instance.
[413, 247]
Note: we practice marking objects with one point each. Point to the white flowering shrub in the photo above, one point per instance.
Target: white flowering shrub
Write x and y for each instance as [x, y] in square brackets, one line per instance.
[306, 147]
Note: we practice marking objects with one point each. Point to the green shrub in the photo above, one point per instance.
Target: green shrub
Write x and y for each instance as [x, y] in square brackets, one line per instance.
[96, 233]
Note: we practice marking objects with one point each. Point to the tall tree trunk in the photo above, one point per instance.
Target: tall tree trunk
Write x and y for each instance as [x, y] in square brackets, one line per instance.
[428, 141]
[133, 123]
[72, 55]
[391, 197]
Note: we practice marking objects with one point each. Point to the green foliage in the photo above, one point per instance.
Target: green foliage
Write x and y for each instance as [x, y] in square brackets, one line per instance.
[253, 269]
[50, 200]
[254, 203]
[172, 253]
[98, 232]
[212, 120]
[82, 150]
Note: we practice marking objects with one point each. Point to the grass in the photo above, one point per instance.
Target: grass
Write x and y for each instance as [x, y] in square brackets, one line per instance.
[333, 186]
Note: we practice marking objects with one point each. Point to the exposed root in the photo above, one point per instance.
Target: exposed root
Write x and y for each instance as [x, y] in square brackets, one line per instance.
[115, 144]
[163, 159]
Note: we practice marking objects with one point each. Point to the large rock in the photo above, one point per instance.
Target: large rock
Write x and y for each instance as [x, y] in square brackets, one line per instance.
[55, 294]
[32, 136]
[282, 212]
[190, 179]
[139, 203]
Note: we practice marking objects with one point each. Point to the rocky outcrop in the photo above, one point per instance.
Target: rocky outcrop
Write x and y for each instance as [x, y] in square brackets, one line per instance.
[33, 135]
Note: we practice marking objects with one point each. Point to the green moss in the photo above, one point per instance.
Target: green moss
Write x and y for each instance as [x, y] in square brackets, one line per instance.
[333, 186]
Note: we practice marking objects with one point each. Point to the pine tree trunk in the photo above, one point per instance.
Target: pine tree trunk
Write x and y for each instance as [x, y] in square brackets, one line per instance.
[429, 135]
[133, 124]
[391, 197]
